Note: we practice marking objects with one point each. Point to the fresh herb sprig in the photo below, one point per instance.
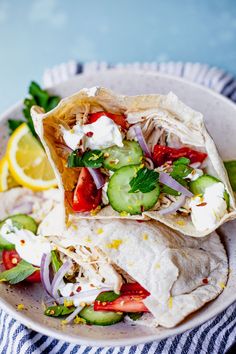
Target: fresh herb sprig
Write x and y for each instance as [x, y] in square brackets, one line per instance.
[145, 181]
[59, 310]
[180, 170]
[38, 97]
[19, 273]
[92, 158]
[107, 296]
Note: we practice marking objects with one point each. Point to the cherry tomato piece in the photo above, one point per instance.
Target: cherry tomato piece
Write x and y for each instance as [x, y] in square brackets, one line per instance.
[162, 154]
[86, 195]
[11, 259]
[130, 300]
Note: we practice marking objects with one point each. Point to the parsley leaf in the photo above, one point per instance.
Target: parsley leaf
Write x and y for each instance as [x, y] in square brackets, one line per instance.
[145, 181]
[92, 158]
[38, 97]
[180, 170]
[60, 310]
[107, 296]
[74, 159]
[231, 170]
[182, 161]
[17, 274]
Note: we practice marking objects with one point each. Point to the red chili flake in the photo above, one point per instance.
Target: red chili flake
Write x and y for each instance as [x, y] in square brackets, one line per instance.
[142, 208]
[202, 204]
[205, 281]
[141, 220]
[89, 134]
[71, 294]
[78, 289]
[22, 242]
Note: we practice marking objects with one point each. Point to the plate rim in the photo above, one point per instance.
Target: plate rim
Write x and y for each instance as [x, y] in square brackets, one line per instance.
[60, 335]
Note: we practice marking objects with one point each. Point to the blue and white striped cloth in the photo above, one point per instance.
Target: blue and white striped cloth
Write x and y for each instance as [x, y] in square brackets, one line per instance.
[214, 336]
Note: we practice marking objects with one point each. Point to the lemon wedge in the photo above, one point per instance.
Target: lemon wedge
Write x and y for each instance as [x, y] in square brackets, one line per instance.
[6, 179]
[28, 162]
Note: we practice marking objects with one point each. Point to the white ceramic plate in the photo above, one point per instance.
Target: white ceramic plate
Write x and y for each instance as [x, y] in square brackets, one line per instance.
[220, 117]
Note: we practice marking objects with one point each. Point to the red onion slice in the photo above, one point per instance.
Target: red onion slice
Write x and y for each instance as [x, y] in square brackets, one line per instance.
[58, 278]
[150, 163]
[172, 183]
[44, 272]
[73, 314]
[174, 206]
[97, 177]
[141, 140]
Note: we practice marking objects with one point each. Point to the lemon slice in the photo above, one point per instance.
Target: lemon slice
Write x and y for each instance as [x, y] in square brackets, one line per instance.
[28, 162]
[6, 179]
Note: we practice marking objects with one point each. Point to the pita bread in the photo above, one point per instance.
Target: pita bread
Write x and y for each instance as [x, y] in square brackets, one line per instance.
[161, 117]
[181, 273]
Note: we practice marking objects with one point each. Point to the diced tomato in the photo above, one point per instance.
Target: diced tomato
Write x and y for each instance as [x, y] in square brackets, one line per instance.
[134, 289]
[86, 195]
[162, 154]
[11, 259]
[124, 303]
[35, 277]
[119, 119]
[130, 300]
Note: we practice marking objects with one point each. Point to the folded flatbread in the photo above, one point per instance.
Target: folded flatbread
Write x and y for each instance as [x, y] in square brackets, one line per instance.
[181, 273]
[164, 119]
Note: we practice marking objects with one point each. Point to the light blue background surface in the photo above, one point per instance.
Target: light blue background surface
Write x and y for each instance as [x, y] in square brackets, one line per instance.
[35, 34]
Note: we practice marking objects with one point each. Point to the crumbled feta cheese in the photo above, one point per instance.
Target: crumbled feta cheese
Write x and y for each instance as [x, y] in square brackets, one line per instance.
[67, 289]
[73, 136]
[195, 174]
[98, 135]
[105, 134]
[208, 209]
[29, 246]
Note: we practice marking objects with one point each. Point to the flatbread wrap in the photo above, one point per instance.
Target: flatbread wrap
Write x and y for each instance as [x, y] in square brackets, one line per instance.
[179, 273]
[136, 157]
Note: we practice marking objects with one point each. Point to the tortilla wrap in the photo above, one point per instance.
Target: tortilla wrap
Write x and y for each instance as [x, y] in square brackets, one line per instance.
[181, 273]
[157, 115]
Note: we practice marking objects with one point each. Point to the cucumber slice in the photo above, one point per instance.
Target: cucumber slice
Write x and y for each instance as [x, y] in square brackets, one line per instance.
[120, 198]
[199, 185]
[100, 318]
[21, 221]
[130, 154]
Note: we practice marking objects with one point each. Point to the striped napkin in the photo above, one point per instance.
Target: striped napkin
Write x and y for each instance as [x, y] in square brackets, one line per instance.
[214, 336]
